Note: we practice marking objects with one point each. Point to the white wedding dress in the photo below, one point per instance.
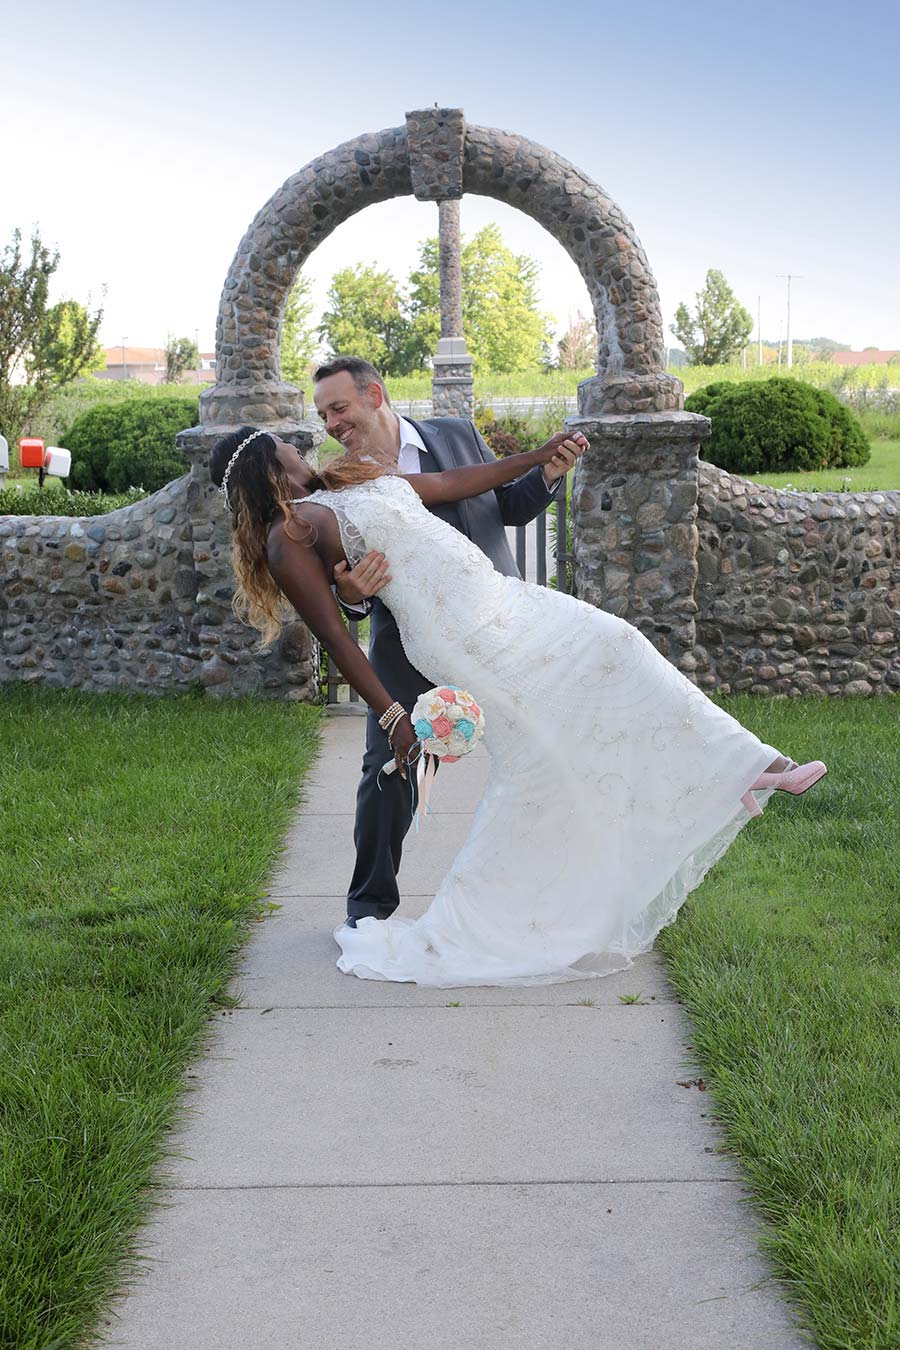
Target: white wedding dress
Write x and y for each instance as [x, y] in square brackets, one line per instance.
[615, 783]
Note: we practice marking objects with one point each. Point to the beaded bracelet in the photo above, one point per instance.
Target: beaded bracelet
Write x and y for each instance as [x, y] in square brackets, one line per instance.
[391, 728]
[391, 715]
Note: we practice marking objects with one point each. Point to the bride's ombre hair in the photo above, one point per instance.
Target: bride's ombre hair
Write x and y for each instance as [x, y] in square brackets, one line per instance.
[258, 488]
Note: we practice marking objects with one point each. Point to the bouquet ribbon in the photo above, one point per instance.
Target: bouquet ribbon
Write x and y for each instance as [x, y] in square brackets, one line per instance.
[425, 776]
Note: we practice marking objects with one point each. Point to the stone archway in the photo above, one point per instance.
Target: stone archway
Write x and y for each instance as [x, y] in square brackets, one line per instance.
[436, 155]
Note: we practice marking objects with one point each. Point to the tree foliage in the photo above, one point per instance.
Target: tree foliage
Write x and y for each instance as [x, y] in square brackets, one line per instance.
[578, 345]
[43, 347]
[719, 327]
[366, 317]
[396, 327]
[775, 425]
[181, 355]
[298, 336]
[502, 324]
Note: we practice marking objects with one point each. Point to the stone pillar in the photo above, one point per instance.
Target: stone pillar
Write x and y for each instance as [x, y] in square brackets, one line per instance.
[437, 146]
[453, 387]
[634, 506]
[451, 268]
[229, 665]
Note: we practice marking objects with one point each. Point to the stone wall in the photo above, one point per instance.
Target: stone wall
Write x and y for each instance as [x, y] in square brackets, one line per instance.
[141, 598]
[742, 587]
[798, 592]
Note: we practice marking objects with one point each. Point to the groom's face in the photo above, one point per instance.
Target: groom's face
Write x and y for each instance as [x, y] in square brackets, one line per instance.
[351, 415]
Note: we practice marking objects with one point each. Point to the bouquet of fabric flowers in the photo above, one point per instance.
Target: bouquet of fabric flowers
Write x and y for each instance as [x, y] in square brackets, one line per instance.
[449, 724]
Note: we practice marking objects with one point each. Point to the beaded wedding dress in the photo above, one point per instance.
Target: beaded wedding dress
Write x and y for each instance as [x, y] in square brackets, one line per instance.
[615, 783]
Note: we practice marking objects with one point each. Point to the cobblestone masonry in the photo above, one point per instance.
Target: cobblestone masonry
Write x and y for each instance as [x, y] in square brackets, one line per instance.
[744, 588]
[634, 506]
[798, 592]
[140, 598]
[376, 167]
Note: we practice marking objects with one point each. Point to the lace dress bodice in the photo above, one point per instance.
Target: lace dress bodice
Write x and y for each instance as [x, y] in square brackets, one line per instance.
[443, 589]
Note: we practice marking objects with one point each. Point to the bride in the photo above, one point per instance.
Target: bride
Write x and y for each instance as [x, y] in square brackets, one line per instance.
[615, 783]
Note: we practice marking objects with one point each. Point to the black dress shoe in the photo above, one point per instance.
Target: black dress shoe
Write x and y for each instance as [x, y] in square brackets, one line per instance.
[349, 922]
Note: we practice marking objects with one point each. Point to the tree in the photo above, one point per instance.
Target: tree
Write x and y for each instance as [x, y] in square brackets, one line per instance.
[181, 354]
[824, 347]
[719, 328]
[42, 347]
[66, 322]
[578, 345]
[365, 317]
[298, 338]
[503, 327]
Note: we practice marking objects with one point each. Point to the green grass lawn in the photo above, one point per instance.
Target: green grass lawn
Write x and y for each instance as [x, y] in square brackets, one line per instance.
[882, 473]
[138, 835]
[788, 961]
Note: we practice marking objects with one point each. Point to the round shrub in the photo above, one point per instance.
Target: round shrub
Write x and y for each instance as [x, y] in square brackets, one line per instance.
[116, 446]
[778, 425]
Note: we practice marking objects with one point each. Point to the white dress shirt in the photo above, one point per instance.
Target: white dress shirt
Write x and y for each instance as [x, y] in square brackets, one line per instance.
[411, 447]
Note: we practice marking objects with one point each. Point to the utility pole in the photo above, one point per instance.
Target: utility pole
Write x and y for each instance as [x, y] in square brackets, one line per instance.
[791, 276]
[759, 329]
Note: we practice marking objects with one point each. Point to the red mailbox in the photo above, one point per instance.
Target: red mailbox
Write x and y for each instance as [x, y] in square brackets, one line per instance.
[31, 453]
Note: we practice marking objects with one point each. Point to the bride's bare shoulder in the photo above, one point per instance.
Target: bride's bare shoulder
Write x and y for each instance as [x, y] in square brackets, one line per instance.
[318, 520]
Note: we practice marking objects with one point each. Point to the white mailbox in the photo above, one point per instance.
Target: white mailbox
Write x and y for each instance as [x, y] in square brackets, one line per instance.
[4, 458]
[57, 461]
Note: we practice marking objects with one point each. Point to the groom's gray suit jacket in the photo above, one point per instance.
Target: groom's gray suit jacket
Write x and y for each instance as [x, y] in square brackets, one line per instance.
[452, 443]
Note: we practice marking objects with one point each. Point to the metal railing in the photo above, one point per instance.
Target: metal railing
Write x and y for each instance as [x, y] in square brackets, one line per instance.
[334, 680]
[423, 407]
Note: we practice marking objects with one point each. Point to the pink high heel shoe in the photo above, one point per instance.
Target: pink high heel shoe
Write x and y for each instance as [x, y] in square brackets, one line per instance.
[795, 778]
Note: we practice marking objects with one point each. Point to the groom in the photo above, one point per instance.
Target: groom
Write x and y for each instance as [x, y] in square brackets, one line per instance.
[351, 398]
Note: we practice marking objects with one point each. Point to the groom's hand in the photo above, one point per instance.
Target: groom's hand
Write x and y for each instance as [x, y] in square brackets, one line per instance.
[366, 579]
[567, 450]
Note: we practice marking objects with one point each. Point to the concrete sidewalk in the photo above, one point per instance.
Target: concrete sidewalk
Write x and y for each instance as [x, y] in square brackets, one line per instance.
[375, 1166]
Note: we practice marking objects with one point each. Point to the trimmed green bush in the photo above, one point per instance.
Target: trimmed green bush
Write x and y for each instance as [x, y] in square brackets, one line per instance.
[116, 446]
[508, 434]
[59, 501]
[778, 425]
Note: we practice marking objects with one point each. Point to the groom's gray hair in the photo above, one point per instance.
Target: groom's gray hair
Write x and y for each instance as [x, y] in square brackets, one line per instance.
[362, 373]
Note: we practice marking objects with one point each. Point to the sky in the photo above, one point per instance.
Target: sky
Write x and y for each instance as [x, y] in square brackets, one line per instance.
[759, 139]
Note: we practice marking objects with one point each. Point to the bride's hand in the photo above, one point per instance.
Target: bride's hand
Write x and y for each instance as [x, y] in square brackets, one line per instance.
[402, 741]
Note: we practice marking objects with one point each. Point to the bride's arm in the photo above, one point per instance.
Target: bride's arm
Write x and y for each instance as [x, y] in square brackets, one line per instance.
[301, 574]
[454, 485]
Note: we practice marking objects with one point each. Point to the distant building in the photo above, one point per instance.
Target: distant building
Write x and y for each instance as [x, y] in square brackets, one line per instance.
[148, 364]
[867, 358]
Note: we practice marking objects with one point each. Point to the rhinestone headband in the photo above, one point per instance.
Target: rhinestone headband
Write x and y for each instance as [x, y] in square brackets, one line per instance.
[223, 486]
